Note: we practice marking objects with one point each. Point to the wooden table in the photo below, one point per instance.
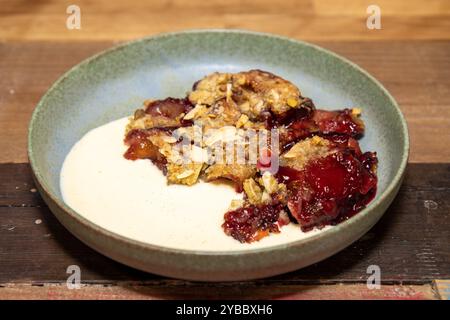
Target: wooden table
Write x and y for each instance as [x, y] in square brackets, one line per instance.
[410, 55]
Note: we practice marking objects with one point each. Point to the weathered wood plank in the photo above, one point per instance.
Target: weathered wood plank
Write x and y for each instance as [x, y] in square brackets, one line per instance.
[409, 244]
[146, 292]
[417, 74]
[17, 187]
[302, 19]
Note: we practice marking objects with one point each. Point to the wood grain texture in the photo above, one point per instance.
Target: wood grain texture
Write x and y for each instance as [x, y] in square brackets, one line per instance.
[409, 244]
[417, 73]
[126, 291]
[302, 19]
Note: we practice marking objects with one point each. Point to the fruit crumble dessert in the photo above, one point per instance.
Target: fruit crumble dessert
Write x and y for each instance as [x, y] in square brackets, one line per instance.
[294, 163]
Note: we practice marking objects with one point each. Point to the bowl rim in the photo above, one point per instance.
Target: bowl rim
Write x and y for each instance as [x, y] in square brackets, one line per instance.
[378, 200]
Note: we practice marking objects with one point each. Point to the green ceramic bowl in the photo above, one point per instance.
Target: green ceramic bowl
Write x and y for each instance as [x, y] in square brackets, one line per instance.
[111, 84]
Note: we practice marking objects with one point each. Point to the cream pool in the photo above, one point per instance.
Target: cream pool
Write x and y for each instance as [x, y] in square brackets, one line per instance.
[133, 199]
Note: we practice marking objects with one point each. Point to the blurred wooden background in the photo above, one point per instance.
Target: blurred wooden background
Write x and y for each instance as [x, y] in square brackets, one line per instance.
[302, 19]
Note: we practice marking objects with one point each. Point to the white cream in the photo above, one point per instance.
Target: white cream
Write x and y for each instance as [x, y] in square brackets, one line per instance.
[133, 199]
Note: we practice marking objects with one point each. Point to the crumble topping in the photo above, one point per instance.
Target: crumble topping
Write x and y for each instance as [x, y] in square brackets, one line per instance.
[253, 92]
[294, 163]
[304, 151]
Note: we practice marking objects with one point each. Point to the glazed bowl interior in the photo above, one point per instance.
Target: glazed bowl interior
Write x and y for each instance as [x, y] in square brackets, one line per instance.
[113, 84]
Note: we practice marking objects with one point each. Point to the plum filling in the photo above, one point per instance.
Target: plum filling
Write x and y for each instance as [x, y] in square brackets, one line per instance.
[140, 147]
[302, 125]
[305, 112]
[330, 189]
[342, 121]
[169, 107]
[138, 140]
[327, 191]
[248, 224]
